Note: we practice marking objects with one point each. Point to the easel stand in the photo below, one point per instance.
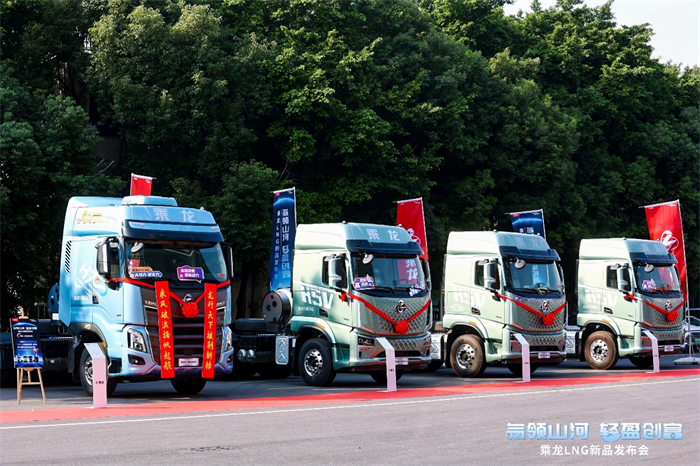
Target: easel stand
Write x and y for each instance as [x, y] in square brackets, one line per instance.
[21, 382]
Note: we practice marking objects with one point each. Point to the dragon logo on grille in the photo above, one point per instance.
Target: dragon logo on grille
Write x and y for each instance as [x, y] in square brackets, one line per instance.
[401, 306]
[544, 307]
[668, 305]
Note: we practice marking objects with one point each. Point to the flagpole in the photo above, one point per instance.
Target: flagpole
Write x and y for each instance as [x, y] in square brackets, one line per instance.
[685, 259]
[660, 203]
[408, 200]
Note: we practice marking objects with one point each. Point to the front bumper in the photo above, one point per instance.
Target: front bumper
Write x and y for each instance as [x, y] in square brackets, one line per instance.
[545, 348]
[367, 354]
[139, 366]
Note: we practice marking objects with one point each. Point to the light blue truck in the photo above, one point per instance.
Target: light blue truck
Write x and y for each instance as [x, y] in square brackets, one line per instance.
[114, 252]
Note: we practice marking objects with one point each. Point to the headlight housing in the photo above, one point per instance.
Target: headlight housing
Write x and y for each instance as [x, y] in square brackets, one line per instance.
[136, 341]
[228, 339]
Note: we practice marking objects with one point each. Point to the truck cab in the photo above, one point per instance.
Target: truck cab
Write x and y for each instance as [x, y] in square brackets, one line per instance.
[497, 285]
[627, 289]
[114, 252]
[354, 286]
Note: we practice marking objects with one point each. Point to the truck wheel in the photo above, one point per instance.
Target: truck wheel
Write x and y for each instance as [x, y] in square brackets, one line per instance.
[188, 386]
[316, 363]
[85, 374]
[467, 356]
[380, 376]
[273, 370]
[642, 362]
[601, 351]
[517, 369]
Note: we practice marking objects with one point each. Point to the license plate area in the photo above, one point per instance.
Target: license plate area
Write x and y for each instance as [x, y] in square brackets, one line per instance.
[543, 355]
[188, 362]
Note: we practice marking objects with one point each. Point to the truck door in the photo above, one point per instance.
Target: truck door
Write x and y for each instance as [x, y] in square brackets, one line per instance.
[334, 277]
[487, 278]
[618, 283]
[108, 298]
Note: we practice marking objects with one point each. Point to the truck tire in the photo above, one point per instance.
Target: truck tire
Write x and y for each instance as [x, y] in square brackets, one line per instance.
[85, 375]
[517, 369]
[316, 363]
[273, 370]
[188, 386]
[642, 362]
[380, 376]
[600, 350]
[467, 356]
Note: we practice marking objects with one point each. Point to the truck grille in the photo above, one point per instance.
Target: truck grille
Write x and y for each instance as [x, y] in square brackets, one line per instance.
[655, 318]
[532, 322]
[380, 325]
[188, 333]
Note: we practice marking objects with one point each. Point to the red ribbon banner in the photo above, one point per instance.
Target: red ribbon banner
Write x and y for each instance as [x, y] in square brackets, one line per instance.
[671, 316]
[209, 358]
[400, 326]
[165, 325]
[547, 320]
[189, 309]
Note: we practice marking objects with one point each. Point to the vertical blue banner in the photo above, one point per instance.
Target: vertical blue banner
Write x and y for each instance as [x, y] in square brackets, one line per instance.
[530, 222]
[284, 226]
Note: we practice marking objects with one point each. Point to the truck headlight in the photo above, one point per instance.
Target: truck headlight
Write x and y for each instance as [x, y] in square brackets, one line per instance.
[228, 339]
[136, 340]
[365, 341]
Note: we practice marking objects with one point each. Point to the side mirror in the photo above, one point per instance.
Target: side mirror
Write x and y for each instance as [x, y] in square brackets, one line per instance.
[426, 272]
[103, 259]
[491, 276]
[335, 272]
[623, 283]
[228, 258]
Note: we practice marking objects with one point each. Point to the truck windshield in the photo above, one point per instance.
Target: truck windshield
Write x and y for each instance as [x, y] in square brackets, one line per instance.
[534, 277]
[662, 279]
[175, 261]
[387, 273]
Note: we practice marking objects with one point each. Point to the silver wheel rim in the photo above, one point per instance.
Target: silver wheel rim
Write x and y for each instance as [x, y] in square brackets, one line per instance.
[466, 357]
[87, 371]
[599, 351]
[313, 362]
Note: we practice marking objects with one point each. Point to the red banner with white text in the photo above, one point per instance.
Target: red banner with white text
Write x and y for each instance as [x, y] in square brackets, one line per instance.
[141, 185]
[665, 225]
[409, 215]
[165, 331]
[209, 359]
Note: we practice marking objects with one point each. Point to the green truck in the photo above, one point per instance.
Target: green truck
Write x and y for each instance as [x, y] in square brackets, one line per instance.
[629, 293]
[498, 287]
[354, 287]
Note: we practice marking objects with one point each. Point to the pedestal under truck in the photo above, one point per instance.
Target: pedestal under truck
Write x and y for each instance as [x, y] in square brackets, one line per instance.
[497, 285]
[116, 254]
[627, 289]
[353, 284]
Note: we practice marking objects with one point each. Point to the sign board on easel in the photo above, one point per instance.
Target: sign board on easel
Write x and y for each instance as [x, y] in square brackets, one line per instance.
[26, 352]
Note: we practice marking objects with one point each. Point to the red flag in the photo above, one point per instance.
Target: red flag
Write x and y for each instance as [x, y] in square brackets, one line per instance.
[409, 215]
[664, 221]
[141, 185]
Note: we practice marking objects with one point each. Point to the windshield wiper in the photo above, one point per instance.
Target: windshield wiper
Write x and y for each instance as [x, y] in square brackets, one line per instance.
[384, 288]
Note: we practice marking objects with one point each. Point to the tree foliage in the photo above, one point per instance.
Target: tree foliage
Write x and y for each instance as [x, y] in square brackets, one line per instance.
[357, 104]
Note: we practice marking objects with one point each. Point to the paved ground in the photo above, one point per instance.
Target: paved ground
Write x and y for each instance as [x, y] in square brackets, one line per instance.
[433, 418]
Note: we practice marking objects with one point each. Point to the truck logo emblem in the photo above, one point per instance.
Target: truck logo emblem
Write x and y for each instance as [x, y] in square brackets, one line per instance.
[187, 298]
[401, 306]
[544, 307]
[668, 305]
